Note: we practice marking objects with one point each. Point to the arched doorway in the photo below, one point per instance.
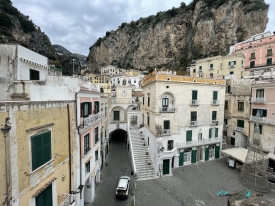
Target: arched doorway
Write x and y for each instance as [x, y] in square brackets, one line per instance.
[118, 136]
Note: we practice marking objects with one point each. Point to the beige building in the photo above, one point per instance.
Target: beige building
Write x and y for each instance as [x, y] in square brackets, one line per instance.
[183, 119]
[39, 168]
[211, 67]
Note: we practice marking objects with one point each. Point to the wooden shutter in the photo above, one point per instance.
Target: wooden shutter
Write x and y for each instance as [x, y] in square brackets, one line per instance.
[96, 103]
[45, 197]
[217, 152]
[166, 124]
[46, 150]
[194, 156]
[181, 159]
[81, 109]
[194, 95]
[210, 132]
[215, 95]
[90, 107]
[188, 135]
[216, 132]
[206, 154]
[254, 112]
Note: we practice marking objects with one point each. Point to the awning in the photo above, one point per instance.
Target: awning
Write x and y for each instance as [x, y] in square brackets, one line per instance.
[236, 153]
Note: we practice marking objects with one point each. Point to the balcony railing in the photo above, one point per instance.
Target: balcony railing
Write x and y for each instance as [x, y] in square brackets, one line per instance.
[198, 142]
[240, 129]
[258, 100]
[194, 102]
[165, 131]
[193, 123]
[167, 109]
[93, 119]
[215, 102]
[215, 122]
[67, 199]
[262, 120]
[260, 65]
[231, 66]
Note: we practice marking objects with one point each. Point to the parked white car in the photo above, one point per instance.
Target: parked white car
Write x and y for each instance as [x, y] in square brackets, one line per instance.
[122, 189]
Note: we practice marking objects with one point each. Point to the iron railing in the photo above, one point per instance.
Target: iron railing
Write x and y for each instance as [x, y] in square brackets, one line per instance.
[215, 102]
[240, 129]
[195, 102]
[93, 119]
[167, 109]
[258, 100]
[262, 120]
[199, 142]
[193, 123]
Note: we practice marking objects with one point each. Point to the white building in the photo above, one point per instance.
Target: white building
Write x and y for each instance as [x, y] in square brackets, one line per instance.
[183, 119]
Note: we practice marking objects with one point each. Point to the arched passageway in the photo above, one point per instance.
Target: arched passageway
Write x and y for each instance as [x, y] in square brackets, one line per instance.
[118, 136]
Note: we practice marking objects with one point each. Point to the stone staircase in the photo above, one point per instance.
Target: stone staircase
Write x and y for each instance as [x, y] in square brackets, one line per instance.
[144, 167]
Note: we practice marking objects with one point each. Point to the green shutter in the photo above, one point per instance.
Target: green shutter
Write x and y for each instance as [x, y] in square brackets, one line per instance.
[216, 132]
[46, 150]
[194, 95]
[240, 123]
[215, 95]
[166, 124]
[188, 135]
[181, 158]
[194, 156]
[210, 133]
[166, 166]
[45, 197]
[206, 154]
[217, 152]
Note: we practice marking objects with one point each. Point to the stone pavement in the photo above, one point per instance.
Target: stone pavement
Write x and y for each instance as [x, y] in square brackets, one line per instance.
[118, 165]
[194, 185]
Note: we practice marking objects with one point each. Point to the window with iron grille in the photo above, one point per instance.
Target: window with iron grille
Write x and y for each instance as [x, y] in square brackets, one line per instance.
[41, 149]
[116, 115]
[87, 143]
[96, 135]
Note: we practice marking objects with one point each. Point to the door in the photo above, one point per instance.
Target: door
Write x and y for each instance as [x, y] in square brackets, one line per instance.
[45, 197]
[166, 167]
[206, 154]
[181, 159]
[194, 156]
[187, 157]
[217, 152]
[233, 141]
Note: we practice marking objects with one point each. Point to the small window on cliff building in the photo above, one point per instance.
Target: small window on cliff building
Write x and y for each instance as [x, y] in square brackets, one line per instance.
[34, 75]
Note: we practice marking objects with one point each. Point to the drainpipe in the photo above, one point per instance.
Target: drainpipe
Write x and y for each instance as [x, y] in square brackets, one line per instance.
[80, 159]
[70, 153]
[248, 139]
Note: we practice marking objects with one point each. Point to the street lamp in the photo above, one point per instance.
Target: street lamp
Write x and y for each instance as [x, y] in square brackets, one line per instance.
[73, 66]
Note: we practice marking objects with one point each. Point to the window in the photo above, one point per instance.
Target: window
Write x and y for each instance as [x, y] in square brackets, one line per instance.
[34, 74]
[240, 106]
[240, 123]
[96, 107]
[86, 109]
[269, 61]
[231, 72]
[170, 145]
[194, 70]
[148, 120]
[165, 102]
[226, 104]
[96, 155]
[194, 94]
[200, 68]
[41, 149]
[148, 101]
[96, 135]
[214, 115]
[232, 64]
[193, 116]
[227, 89]
[260, 127]
[215, 95]
[188, 135]
[45, 198]
[211, 75]
[143, 100]
[213, 132]
[225, 121]
[199, 136]
[211, 67]
[252, 55]
[87, 166]
[252, 64]
[86, 143]
[116, 115]
[269, 52]
[166, 124]
[262, 112]
[259, 93]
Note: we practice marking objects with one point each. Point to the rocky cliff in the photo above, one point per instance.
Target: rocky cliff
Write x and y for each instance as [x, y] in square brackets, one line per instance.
[175, 37]
[16, 28]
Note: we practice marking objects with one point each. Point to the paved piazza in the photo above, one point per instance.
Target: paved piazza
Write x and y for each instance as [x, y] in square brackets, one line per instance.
[194, 185]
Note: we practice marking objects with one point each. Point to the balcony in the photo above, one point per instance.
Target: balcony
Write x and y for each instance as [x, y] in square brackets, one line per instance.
[198, 142]
[215, 102]
[258, 100]
[240, 129]
[215, 122]
[166, 131]
[193, 123]
[66, 200]
[231, 66]
[167, 109]
[260, 65]
[269, 54]
[194, 102]
[94, 118]
[262, 120]
[211, 68]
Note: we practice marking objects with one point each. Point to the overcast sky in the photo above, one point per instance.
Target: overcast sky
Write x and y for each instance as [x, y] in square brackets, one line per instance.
[76, 25]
